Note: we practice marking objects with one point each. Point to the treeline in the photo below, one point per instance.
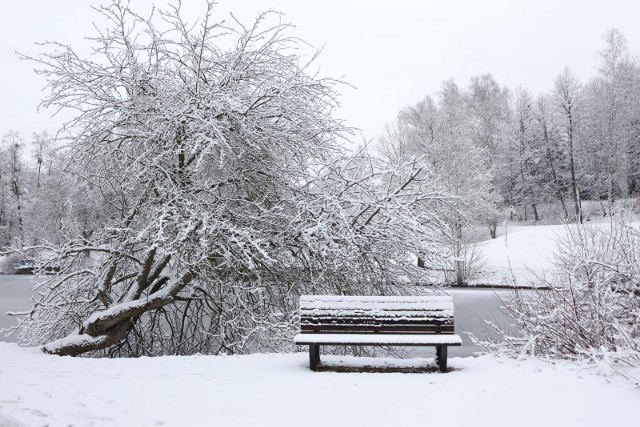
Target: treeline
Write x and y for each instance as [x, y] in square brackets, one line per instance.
[502, 152]
[38, 201]
[514, 151]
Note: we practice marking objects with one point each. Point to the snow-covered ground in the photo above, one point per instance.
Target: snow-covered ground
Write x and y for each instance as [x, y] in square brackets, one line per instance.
[280, 390]
[516, 254]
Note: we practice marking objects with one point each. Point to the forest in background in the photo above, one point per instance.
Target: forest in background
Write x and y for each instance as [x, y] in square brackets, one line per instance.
[504, 152]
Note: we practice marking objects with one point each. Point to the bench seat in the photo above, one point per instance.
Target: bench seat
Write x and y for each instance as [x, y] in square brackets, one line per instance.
[377, 339]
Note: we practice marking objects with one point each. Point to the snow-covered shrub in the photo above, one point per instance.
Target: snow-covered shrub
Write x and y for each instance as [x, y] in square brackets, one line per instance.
[592, 306]
[8, 262]
[465, 267]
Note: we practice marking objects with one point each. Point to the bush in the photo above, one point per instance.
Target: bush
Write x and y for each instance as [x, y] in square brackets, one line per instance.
[8, 263]
[592, 306]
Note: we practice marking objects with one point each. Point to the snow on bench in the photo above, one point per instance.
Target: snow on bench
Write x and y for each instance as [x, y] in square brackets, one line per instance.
[375, 320]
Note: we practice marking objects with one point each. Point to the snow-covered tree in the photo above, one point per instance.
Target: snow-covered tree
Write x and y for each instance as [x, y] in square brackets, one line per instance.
[553, 180]
[225, 189]
[632, 124]
[13, 189]
[527, 153]
[489, 109]
[567, 101]
[396, 143]
[439, 135]
[42, 149]
[614, 57]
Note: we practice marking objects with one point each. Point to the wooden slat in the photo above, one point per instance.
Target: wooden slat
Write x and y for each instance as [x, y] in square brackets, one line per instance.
[332, 299]
[382, 330]
[383, 316]
[376, 313]
[374, 324]
[377, 339]
[377, 332]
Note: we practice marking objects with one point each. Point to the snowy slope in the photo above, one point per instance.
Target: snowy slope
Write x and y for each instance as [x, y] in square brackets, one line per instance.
[517, 254]
[280, 390]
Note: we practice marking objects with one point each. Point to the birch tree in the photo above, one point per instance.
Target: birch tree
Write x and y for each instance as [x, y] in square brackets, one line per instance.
[553, 153]
[567, 94]
[614, 55]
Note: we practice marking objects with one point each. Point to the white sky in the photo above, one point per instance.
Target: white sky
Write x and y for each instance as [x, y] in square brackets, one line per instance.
[393, 51]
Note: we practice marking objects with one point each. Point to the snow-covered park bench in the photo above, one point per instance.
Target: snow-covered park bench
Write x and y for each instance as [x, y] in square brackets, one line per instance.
[382, 321]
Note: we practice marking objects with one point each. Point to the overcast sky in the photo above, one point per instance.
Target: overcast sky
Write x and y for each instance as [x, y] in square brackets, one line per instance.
[394, 52]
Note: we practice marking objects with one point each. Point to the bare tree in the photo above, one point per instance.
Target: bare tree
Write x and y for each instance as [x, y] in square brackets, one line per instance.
[42, 143]
[394, 143]
[13, 147]
[523, 138]
[552, 152]
[614, 56]
[567, 96]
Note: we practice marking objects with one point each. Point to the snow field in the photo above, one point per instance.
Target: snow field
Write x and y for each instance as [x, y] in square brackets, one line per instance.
[280, 390]
[517, 254]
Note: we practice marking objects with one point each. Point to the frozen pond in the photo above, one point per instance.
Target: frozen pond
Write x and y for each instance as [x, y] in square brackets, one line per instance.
[472, 306]
[15, 295]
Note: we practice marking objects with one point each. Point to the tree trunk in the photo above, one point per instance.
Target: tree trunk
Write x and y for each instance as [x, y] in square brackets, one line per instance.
[554, 174]
[458, 255]
[106, 328]
[572, 169]
[610, 173]
[493, 227]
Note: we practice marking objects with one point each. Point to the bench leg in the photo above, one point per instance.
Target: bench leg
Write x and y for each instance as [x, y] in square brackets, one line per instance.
[314, 356]
[441, 357]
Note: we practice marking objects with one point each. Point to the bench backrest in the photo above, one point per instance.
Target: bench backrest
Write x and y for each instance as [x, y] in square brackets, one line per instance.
[365, 314]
